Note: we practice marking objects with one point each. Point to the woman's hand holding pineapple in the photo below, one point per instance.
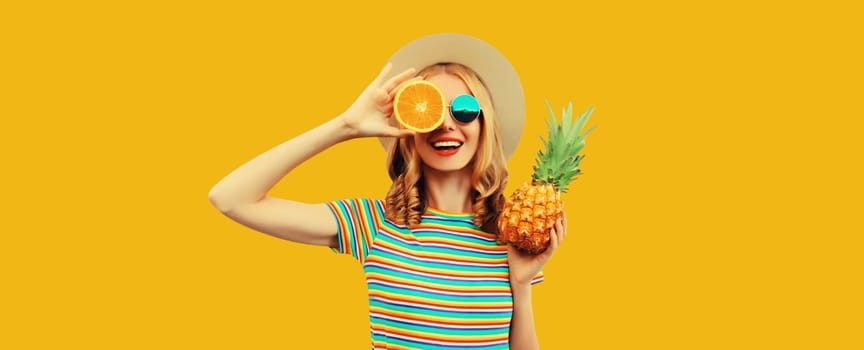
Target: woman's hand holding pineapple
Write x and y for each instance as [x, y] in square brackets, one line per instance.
[524, 266]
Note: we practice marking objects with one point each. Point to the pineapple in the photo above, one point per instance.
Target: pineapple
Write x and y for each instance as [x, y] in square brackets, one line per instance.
[530, 213]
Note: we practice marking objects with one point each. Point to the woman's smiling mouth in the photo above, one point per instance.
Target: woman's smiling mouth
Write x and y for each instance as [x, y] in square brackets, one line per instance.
[446, 147]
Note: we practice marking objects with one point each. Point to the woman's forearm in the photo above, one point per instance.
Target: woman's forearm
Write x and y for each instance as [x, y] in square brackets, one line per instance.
[252, 181]
[523, 335]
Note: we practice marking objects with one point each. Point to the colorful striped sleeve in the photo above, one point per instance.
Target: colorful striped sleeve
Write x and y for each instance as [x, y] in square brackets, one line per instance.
[540, 277]
[357, 222]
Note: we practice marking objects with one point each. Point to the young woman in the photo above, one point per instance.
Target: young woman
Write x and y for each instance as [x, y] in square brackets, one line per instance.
[436, 276]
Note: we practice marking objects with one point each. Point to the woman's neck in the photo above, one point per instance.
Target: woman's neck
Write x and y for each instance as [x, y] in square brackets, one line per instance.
[449, 191]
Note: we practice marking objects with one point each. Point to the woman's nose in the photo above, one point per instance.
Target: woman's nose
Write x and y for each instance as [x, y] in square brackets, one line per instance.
[449, 122]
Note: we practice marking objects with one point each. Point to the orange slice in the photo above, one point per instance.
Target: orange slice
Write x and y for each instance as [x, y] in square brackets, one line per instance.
[419, 106]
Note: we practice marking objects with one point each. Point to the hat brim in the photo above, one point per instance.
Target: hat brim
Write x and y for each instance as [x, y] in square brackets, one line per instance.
[491, 66]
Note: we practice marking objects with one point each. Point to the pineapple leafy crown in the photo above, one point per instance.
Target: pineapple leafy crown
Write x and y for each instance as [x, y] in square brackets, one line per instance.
[559, 165]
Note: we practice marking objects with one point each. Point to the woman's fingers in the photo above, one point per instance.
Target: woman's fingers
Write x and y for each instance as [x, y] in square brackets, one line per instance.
[392, 92]
[381, 98]
[391, 84]
[553, 246]
[555, 239]
[384, 93]
[564, 222]
[559, 224]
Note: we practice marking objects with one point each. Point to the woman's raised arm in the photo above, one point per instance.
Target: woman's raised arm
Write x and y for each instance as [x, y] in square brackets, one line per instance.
[242, 194]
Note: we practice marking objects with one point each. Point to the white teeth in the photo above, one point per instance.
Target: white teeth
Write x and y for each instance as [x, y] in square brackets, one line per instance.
[447, 144]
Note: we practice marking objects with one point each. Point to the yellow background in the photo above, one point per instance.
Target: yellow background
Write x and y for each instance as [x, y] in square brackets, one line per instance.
[720, 206]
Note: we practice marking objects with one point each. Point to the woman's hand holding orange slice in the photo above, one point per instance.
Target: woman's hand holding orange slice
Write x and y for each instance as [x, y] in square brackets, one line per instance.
[370, 114]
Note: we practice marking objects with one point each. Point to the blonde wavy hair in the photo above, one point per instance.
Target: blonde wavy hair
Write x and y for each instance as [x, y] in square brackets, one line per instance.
[406, 200]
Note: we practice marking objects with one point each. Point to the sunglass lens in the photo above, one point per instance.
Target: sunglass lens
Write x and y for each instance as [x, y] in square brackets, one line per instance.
[465, 108]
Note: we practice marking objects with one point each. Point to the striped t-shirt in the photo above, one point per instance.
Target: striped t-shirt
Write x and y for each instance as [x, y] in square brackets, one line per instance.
[443, 284]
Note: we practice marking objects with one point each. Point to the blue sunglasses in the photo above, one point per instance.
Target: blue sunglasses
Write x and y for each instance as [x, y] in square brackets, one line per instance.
[465, 108]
